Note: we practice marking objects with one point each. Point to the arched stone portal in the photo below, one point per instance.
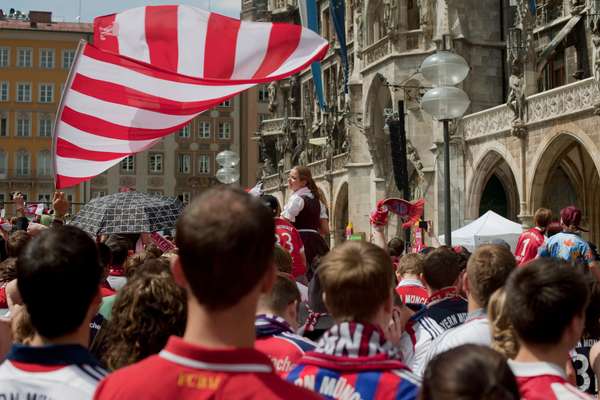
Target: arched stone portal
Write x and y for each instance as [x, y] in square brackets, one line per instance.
[494, 198]
[567, 175]
[493, 187]
[379, 98]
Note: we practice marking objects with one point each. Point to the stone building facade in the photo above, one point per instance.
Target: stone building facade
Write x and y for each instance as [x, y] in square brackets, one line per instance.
[528, 139]
[348, 145]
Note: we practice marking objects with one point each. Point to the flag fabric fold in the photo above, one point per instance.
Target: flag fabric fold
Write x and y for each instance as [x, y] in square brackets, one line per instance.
[139, 85]
[197, 43]
[338, 12]
[309, 19]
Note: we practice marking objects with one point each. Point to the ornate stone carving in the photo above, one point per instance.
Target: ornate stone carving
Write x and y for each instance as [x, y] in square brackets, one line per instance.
[519, 129]
[441, 24]
[268, 168]
[526, 21]
[377, 51]
[566, 100]
[545, 106]
[516, 101]
[359, 33]
[293, 90]
[272, 90]
[576, 6]
[318, 168]
[426, 17]
[390, 17]
[271, 182]
[339, 162]
[487, 122]
[596, 57]
[301, 143]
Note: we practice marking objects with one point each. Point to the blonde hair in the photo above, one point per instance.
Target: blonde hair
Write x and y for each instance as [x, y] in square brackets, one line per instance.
[357, 278]
[411, 263]
[504, 339]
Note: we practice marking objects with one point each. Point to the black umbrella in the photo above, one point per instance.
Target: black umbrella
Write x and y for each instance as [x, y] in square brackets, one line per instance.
[128, 212]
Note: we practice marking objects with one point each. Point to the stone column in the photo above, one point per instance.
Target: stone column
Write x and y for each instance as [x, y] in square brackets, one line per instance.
[360, 200]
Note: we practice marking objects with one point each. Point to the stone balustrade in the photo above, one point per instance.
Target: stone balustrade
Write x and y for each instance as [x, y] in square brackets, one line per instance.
[377, 51]
[402, 42]
[318, 168]
[276, 126]
[339, 162]
[551, 104]
[271, 182]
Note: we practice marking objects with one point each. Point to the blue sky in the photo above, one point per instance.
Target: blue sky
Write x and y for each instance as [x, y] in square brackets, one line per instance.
[68, 10]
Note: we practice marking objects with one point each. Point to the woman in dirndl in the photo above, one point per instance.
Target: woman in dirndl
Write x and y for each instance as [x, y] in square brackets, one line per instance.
[303, 209]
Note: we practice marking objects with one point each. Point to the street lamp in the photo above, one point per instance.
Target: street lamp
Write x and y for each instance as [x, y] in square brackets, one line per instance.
[445, 102]
[229, 171]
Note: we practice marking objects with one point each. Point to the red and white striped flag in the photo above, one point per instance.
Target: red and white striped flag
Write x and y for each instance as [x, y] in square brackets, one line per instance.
[157, 68]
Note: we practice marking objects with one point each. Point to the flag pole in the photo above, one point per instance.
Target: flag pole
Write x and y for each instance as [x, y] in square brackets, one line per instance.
[61, 105]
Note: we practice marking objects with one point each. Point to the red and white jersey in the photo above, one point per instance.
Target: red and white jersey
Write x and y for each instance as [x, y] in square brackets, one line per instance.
[544, 381]
[66, 372]
[412, 291]
[185, 371]
[288, 237]
[528, 245]
[275, 338]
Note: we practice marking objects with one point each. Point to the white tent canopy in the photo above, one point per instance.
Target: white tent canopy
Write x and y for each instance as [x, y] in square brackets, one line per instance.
[484, 230]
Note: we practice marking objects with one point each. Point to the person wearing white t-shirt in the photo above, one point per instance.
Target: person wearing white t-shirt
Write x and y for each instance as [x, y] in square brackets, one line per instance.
[487, 270]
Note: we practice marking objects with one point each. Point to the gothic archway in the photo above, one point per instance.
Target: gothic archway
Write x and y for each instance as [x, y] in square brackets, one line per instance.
[493, 187]
[378, 100]
[494, 197]
[567, 175]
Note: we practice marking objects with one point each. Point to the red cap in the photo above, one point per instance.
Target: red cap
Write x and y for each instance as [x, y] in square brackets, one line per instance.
[571, 216]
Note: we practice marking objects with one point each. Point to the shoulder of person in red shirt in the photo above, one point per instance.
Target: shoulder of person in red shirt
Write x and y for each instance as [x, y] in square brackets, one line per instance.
[284, 349]
[528, 245]
[540, 380]
[548, 387]
[412, 294]
[183, 371]
[3, 297]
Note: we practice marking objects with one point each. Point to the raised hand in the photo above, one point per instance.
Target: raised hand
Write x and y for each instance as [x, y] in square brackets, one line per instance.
[60, 204]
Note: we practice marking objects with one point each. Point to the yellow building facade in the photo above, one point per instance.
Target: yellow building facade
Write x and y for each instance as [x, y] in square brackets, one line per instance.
[35, 57]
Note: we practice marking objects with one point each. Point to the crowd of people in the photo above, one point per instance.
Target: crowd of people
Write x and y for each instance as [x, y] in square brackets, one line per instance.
[252, 304]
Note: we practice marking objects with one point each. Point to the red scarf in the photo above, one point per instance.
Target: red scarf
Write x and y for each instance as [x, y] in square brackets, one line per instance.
[443, 294]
